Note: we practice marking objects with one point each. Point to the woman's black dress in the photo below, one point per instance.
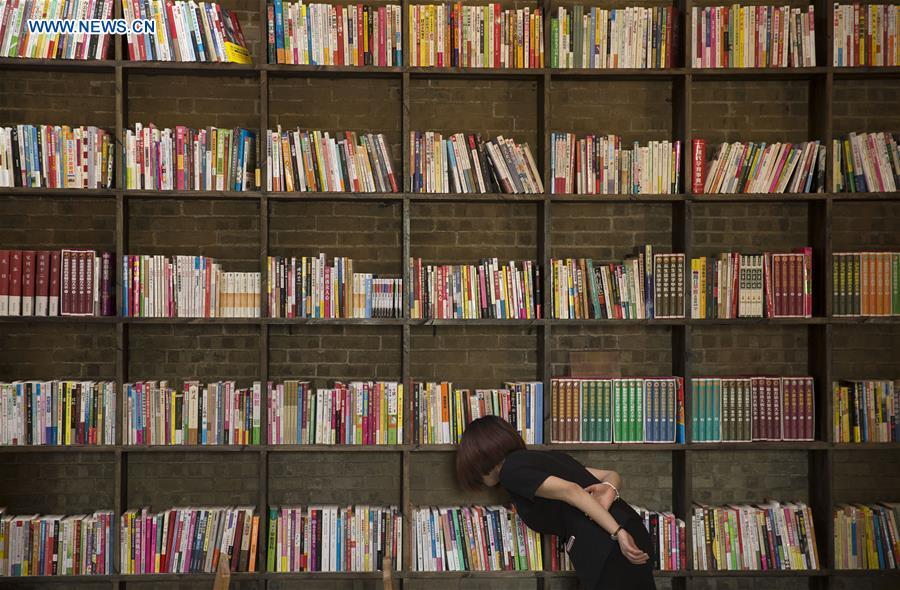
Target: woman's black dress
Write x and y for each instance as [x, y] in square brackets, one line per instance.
[597, 558]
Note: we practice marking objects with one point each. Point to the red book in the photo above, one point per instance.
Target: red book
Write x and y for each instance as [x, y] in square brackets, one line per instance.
[42, 284]
[698, 175]
[66, 280]
[382, 34]
[360, 48]
[87, 293]
[236, 542]
[106, 284]
[4, 282]
[327, 312]
[28, 271]
[338, 57]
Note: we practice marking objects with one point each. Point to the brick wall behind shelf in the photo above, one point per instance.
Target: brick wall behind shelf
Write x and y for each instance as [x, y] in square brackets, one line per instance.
[866, 352]
[472, 584]
[190, 585]
[761, 583]
[748, 227]
[874, 477]
[301, 479]
[170, 100]
[68, 350]
[743, 350]
[56, 483]
[721, 477]
[609, 232]
[57, 98]
[865, 226]
[308, 584]
[29, 223]
[865, 105]
[631, 350]
[874, 582]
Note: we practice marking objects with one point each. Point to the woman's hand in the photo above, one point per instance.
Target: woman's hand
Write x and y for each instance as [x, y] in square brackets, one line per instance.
[629, 548]
[602, 493]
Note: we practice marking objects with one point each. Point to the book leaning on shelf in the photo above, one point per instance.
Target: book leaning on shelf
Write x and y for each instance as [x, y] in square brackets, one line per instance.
[34, 545]
[355, 413]
[186, 31]
[473, 538]
[866, 162]
[866, 34]
[56, 283]
[57, 413]
[866, 411]
[56, 156]
[156, 286]
[737, 409]
[188, 540]
[866, 284]
[334, 34]
[187, 159]
[314, 161]
[735, 285]
[753, 37]
[605, 165]
[442, 412]
[17, 41]
[489, 290]
[632, 37]
[328, 538]
[764, 168]
[468, 164]
[644, 286]
[629, 410]
[215, 414]
[485, 36]
[759, 537]
[865, 536]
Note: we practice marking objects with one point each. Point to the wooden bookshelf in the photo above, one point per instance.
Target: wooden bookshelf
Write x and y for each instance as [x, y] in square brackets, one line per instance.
[820, 328]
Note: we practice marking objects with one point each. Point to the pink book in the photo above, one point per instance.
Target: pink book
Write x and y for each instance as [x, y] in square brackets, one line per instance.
[785, 153]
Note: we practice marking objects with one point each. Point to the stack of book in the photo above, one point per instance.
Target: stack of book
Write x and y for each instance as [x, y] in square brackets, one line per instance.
[866, 536]
[644, 286]
[186, 31]
[215, 414]
[632, 37]
[866, 35]
[866, 411]
[866, 162]
[735, 409]
[628, 410]
[186, 287]
[314, 161]
[468, 164]
[866, 284]
[33, 545]
[489, 290]
[441, 412]
[605, 165]
[308, 287]
[58, 413]
[753, 37]
[334, 34]
[486, 36]
[762, 168]
[473, 538]
[188, 540]
[188, 159]
[56, 283]
[18, 40]
[56, 156]
[771, 536]
[735, 285]
[333, 538]
[355, 413]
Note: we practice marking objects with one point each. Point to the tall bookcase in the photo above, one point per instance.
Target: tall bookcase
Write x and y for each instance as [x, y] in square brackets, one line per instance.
[405, 468]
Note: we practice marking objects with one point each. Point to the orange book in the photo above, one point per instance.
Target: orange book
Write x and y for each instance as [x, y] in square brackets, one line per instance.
[253, 534]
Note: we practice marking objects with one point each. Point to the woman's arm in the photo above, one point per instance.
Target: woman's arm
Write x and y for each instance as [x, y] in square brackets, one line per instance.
[607, 475]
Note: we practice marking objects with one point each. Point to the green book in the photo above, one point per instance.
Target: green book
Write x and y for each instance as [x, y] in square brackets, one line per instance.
[578, 33]
[595, 288]
[618, 410]
[273, 534]
[595, 413]
[639, 385]
[554, 43]
[715, 411]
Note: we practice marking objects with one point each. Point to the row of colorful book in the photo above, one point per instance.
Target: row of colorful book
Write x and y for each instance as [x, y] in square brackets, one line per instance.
[866, 162]
[866, 34]
[865, 284]
[866, 411]
[761, 168]
[17, 39]
[56, 156]
[867, 537]
[35, 545]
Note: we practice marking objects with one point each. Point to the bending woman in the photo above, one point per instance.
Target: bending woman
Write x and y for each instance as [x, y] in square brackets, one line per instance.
[555, 494]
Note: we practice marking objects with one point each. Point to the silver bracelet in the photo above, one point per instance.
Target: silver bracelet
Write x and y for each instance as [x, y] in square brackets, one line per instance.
[615, 489]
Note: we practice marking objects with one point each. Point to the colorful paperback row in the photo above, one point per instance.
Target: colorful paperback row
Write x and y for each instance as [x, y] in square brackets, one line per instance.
[334, 35]
[314, 161]
[187, 159]
[441, 412]
[309, 287]
[866, 284]
[334, 538]
[473, 538]
[57, 413]
[753, 37]
[738, 409]
[617, 410]
[605, 165]
[56, 283]
[761, 168]
[355, 413]
[56, 156]
[187, 540]
[468, 164]
[156, 286]
[866, 34]
[34, 545]
[486, 36]
[632, 37]
[866, 411]
[866, 537]
[215, 414]
[760, 537]
[644, 286]
[489, 290]
[735, 285]
[17, 41]
[186, 31]
[866, 162]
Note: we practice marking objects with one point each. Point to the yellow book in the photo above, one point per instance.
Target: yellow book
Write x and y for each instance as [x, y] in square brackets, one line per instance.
[400, 413]
[66, 425]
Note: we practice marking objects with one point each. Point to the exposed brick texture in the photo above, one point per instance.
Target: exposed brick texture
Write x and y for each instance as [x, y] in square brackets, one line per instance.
[70, 350]
[722, 477]
[758, 349]
[872, 478]
[865, 105]
[58, 483]
[169, 100]
[58, 98]
[608, 232]
[301, 479]
[639, 351]
[866, 352]
[749, 227]
[29, 223]
[865, 226]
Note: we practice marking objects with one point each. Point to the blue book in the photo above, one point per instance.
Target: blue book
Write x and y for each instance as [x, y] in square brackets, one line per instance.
[368, 296]
[539, 413]
[238, 178]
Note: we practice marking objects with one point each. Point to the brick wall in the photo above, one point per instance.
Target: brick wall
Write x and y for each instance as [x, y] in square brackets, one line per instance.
[29, 223]
[301, 479]
[57, 483]
[633, 351]
[748, 227]
[169, 100]
[57, 98]
[865, 226]
[722, 477]
[874, 479]
[49, 351]
[759, 349]
[866, 352]
[608, 232]
[865, 105]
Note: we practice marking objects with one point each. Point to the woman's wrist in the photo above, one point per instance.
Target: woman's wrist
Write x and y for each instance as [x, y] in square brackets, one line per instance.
[614, 488]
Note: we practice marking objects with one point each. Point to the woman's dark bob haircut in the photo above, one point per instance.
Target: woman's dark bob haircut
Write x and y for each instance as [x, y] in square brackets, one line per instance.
[486, 442]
